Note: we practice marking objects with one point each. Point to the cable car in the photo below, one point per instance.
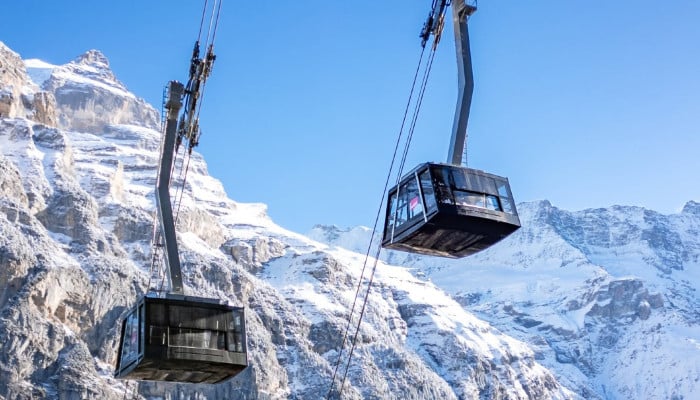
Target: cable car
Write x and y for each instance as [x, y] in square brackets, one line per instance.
[182, 339]
[450, 210]
[174, 337]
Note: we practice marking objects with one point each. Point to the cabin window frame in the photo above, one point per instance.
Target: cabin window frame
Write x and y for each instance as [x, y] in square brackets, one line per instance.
[132, 337]
[409, 195]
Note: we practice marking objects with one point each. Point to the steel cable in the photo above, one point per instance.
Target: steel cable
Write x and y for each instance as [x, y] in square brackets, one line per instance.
[376, 220]
[414, 119]
[379, 248]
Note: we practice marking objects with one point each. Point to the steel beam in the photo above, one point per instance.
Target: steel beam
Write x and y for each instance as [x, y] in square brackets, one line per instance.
[163, 204]
[460, 14]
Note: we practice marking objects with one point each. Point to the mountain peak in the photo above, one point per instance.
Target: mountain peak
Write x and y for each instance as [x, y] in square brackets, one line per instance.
[93, 58]
[691, 207]
[88, 94]
[94, 65]
[355, 239]
[4, 48]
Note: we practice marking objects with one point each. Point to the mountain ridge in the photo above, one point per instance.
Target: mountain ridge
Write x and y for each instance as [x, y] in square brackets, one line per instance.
[592, 279]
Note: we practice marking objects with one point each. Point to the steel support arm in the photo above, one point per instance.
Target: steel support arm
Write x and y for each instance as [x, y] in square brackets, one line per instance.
[460, 14]
[163, 204]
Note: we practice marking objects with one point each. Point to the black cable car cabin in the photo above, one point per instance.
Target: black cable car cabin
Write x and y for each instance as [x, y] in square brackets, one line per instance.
[449, 211]
[184, 339]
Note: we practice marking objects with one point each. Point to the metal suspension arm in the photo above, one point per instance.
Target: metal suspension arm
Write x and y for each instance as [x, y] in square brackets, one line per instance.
[199, 72]
[460, 14]
[163, 204]
[434, 24]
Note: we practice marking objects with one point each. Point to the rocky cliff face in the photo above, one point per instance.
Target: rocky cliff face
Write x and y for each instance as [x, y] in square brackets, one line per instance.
[76, 214]
[19, 96]
[89, 97]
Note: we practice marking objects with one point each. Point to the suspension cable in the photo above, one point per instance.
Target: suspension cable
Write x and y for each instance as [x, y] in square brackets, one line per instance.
[210, 57]
[216, 25]
[201, 74]
[379, 248]
[376, 221]
[213, 21]
[184, 182]
[414, 120]
[412, 126]
[201, 22]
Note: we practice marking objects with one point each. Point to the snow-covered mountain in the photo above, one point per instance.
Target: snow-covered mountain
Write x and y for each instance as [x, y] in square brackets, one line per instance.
[595, 304]
[606, 298]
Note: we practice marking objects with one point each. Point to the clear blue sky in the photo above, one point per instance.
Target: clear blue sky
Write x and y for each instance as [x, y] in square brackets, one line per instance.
[587, 104]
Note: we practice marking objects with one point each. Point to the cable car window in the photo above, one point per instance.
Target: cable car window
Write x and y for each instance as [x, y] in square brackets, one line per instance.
[460, 181]
[157, 335]
[201, 339]
[489, 185]
[235, 337]
[177, 337]
[239, 343]
[391, 213]
[441, 184]
[426, 185]
[156, 314]
[503, 189]
[492, 203]
[189, 337]
[412, 198]
[505, 196]
[507, 205]
[218, 341]
[466, 180]
[407, 207]
[465, 198]
[130, 346]
[235, 342]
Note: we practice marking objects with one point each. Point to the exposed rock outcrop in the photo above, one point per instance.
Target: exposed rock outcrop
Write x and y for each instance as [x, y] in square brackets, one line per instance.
[89, 97]
[19, 96]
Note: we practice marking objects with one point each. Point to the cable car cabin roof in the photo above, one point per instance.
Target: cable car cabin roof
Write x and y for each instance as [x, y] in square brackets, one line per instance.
[449, 211]
[182, 339]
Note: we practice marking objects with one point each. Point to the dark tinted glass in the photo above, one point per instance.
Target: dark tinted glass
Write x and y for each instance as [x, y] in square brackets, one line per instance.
[492, 203]
[441, 184]
[466, 180]
[404, 207]
[426, 185]
[131, 343]
[465, 198]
